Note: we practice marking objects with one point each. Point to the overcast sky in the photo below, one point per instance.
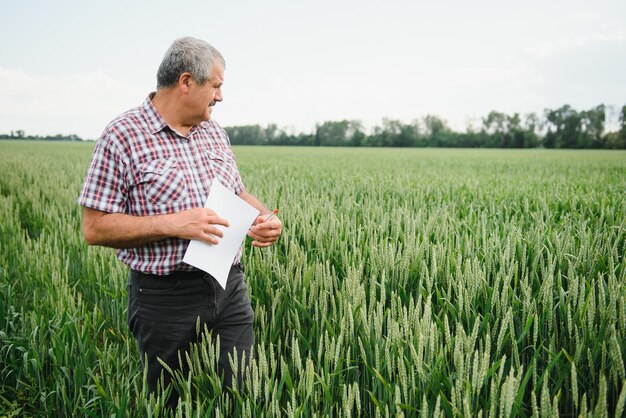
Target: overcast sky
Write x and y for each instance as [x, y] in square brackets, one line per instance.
[71, 66]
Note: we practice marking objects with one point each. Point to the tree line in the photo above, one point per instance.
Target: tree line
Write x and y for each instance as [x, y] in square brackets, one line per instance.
[21, 135]
[564, 127]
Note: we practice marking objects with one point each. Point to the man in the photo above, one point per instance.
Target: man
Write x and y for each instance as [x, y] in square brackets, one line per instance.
[151, 172]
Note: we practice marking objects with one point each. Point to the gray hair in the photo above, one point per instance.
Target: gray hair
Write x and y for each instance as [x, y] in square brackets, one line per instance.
[190, 55]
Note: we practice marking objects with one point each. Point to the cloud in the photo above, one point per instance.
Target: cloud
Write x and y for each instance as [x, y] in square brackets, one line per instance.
[563, 44]
[79, 104]
[583, 17]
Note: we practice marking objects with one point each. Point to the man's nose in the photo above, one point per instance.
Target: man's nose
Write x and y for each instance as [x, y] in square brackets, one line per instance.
[218, 95]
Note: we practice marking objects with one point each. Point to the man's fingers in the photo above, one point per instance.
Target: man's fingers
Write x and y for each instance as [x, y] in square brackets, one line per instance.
[272, 224]
[270, 236]
[214, 218]
[212, 230]
[261, 244]
[210, 239]
[264, 235]
[219, 221]
[253, 235]
[211, 235]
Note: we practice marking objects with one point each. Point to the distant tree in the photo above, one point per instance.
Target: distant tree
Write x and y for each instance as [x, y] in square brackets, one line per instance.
[620, 140]
[564, 127]
[617, 139]
[333, 134]
[355, 133]
[396, 134]
[516, 134]
[435, 130]
[592, 122]
[612, 140]
[305, 139]
[495, 130]
[272, 133]
[532, 126]
[386, 134]
[246, 135]
[472, 137]
[358, 138]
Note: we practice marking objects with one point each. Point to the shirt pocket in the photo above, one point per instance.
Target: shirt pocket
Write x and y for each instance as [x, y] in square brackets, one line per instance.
[223, 167]
[162, 182]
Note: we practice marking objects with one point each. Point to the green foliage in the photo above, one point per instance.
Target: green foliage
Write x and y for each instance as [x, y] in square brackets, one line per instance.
[564, 127]
[407, 282]
[21, 135]
[568, 128]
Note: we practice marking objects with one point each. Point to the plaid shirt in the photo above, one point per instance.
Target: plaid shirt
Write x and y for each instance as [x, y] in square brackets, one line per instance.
[141, 167]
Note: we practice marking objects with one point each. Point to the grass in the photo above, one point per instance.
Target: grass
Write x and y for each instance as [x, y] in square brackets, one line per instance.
[407, 282]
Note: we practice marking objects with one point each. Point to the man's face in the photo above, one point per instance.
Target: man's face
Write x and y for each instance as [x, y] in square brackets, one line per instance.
[204, 96]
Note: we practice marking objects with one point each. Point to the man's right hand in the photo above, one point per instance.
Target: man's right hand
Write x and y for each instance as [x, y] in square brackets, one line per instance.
[199, 224]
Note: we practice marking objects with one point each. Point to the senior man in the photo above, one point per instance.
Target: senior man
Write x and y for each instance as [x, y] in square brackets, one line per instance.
[150, 174]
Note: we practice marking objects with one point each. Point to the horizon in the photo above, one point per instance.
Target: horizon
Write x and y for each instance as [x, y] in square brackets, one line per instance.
[610, 126]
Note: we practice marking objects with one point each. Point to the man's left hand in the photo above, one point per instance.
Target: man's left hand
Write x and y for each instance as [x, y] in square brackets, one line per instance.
[264, 233]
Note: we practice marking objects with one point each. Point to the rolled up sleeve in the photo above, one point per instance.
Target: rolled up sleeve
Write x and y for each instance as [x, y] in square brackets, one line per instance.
[105, 187]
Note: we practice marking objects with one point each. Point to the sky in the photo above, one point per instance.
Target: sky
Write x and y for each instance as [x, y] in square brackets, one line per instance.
[70, 67]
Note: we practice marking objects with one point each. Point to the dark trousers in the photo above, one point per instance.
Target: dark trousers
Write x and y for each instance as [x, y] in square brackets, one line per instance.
[163, 312]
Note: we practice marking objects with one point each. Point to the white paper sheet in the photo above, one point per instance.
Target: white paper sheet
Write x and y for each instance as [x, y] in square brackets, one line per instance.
[218, 259]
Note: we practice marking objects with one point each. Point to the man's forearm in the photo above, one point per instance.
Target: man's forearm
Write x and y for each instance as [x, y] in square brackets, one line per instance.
[127, 231]
[254, 202]
[123, 231]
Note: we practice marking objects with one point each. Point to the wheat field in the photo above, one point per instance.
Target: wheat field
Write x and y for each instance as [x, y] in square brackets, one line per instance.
[407, 282]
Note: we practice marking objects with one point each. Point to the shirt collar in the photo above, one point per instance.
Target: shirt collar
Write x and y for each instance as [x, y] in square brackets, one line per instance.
[155, 120]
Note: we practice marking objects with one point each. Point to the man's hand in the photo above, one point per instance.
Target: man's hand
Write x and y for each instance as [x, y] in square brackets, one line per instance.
[199, 224]
[264, 233]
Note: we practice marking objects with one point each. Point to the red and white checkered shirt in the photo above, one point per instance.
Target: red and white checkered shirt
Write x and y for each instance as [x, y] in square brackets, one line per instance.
[141, 167]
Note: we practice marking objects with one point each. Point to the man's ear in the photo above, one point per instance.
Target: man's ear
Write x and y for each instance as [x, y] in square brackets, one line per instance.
[184, 82]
